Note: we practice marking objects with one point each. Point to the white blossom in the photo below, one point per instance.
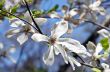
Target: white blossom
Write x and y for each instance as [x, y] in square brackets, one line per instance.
[39, 21]
[21, 29]
[104, 33]
[106, 67]
[67, 16]
[89, 9]
[6, 52]
[10, 3]
[95, 49]
[60, 45]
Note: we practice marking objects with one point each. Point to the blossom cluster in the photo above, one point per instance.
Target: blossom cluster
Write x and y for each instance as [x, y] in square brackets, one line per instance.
[57, 44]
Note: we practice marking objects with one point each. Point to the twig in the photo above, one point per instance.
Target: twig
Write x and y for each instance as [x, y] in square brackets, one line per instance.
[18, 18]
[32, 16]
[88, 65]
[85, 64]
[98, 25]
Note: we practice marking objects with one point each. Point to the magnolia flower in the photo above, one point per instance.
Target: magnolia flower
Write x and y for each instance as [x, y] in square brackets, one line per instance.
[39, 21]
[104, 33]
[60, 45]
[95, 49]
[6, 52]
[98, 51]
[10, 3]
[106, 67]
[21, 29]
[89, 9]
[67, 16]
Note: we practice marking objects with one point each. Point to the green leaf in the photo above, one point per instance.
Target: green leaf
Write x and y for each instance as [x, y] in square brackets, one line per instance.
[37, 13]
[53, 9]
[2, 2]
[96, 70]
[105, 43]
[14, 9]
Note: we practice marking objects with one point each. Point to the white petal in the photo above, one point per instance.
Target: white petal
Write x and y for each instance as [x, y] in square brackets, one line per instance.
[82, 16]
[39, 37]
[48, 57]
[40, 21]
[54, 15]
[22, 38]
[16, 22]
[73, 45]
[104, 33]
[62, 51]
[73, 12]
[73, 61]
[101, 10]
[7, 5]
[12, 32]
[98, 49]
[107, 70]
[105, 66]
[27, 17]
[91, 47]
[95, 4]
[1, 45]
[60, 29]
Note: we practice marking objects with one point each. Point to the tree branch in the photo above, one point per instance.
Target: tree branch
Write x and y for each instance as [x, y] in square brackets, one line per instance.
[32, 16]
[98, 25]
[18, 18]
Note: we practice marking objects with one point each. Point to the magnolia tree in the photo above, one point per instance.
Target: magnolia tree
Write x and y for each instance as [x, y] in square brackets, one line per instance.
[26, 25]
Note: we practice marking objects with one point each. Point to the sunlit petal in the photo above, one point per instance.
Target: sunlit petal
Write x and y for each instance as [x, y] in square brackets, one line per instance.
[62, 51]
[73, 12]
[48, 57]
[104, 33]
[16, 22]
[39, 37]
[73, 45]
[60, 29]
[91, 47]
[22, 38]
[95, 4]
[12, 32]
[54, 15]
[104, 65]
[98, 49]
[40, 21]
[73, 61]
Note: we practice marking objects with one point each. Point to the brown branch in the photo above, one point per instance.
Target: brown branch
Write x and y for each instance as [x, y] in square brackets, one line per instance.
[18, 18]
[98, 25]
[32, 16]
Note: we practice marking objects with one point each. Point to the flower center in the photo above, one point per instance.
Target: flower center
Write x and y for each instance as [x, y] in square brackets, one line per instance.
[52, 41]
[26, 29]
[67, 17]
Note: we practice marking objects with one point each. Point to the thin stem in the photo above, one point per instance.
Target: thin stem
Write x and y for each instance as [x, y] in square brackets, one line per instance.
[19, 18]
[98, 25]
[85, 64]
[32, 16]
[88, 65]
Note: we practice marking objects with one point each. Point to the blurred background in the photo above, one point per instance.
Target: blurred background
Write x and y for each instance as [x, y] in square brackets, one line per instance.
[29, 56]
